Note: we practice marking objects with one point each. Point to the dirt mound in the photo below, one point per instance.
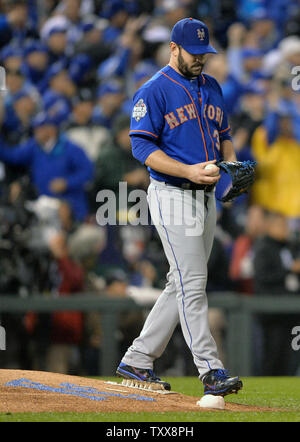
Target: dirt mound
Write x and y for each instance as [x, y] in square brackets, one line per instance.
[35, 391]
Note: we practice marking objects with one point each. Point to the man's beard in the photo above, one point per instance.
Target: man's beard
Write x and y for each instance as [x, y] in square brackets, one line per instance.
[187, 71]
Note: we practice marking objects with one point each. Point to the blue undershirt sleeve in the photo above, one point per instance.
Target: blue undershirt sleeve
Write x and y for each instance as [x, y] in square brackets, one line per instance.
[142, 147]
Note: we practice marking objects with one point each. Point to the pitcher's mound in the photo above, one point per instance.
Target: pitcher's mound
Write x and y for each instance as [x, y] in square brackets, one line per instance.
[36, 391]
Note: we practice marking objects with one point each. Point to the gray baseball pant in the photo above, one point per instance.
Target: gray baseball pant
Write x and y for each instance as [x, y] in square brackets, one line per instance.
[185, 221]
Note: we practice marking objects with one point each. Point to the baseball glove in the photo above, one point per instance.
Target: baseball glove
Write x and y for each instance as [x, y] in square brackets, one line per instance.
[242, 176]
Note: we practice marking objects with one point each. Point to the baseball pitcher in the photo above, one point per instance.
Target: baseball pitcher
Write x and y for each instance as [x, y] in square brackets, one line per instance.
[180, 131]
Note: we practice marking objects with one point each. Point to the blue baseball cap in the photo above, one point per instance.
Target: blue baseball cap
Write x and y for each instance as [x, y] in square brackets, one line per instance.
[26, 91]
[111, 8]
[10, 51]
[144, 70]
[193, 36]
[251, 53]
[55, 69]
[43, 119]
[34, 46]
[79, 66]
[109, 87]
[261, 14]
[50, 98]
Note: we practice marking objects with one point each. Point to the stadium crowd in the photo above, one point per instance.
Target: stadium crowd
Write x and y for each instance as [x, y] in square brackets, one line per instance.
[72, 67]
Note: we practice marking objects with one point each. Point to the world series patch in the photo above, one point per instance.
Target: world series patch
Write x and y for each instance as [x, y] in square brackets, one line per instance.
[139, 110]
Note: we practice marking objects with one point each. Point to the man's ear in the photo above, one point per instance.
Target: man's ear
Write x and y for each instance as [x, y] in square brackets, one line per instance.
[174, 49]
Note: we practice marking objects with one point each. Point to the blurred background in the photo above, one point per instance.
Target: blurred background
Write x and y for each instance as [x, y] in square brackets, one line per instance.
[72, 68]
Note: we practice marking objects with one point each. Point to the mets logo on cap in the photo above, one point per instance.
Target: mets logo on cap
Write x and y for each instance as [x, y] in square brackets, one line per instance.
[201, 34]
[139, 110]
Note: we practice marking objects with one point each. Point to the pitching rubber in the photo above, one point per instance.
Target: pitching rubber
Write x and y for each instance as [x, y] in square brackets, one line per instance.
[152, 386]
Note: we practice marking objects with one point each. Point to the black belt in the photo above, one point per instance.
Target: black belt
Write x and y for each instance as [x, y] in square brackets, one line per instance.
[193, 186]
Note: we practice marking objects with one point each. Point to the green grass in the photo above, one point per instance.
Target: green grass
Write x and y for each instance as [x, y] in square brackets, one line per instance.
[276, 392]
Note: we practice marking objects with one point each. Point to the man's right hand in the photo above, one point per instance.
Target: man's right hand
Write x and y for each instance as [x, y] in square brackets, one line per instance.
[199, 175]
[196, 173]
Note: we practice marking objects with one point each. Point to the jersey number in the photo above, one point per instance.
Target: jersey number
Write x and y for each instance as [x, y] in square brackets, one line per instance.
[216, 136]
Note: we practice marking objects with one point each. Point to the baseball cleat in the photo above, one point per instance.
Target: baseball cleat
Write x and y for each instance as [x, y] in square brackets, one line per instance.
[141, 378]
[218, 383]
